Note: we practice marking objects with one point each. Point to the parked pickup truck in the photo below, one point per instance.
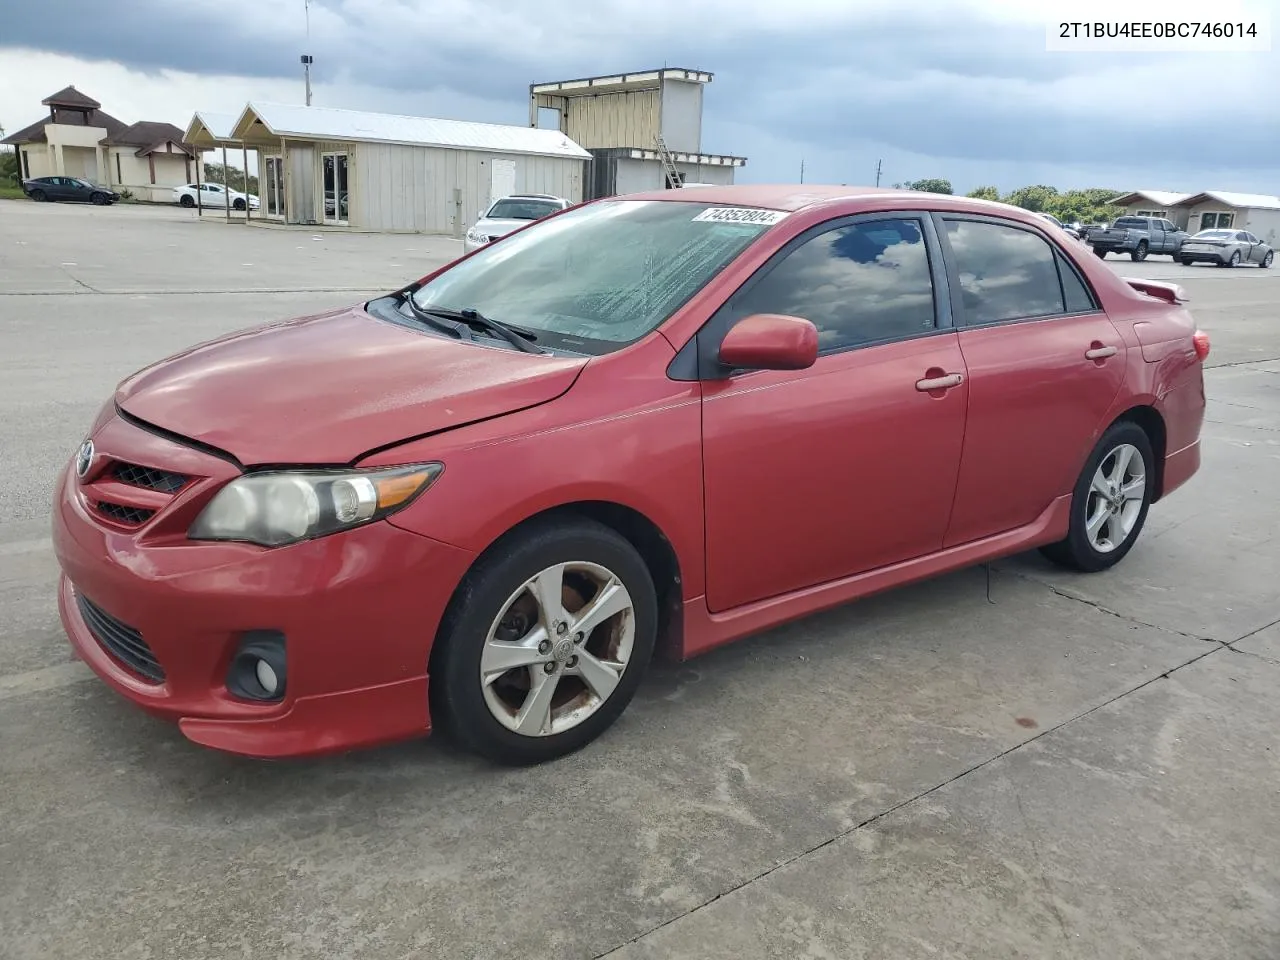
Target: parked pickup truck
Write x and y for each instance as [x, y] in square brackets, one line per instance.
[1138, 236]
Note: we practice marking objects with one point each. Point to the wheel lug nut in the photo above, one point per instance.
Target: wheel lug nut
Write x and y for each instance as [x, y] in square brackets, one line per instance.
[561, 627]
[578, 637]
[548, 668]
[544, 646]
[573, 662]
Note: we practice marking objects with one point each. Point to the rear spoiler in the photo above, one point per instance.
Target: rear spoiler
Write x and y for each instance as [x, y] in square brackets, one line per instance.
[1168, 292]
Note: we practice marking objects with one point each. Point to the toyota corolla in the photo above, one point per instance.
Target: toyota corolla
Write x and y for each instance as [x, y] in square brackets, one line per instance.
[651, 424]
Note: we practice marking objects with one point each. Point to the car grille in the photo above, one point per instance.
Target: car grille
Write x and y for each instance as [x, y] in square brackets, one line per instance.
[122, 641]
[120, 513]
[138, 476]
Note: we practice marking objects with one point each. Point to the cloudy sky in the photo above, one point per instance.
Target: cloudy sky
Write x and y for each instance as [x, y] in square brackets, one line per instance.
[963, 89]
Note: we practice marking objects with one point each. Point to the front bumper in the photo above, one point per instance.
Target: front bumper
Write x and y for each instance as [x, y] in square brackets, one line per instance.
[359, 611]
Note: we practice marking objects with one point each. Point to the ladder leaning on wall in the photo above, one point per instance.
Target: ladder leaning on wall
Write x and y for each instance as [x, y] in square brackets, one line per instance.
[674, 177]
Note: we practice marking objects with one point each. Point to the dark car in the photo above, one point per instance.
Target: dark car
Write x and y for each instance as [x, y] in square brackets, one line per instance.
[69, 188]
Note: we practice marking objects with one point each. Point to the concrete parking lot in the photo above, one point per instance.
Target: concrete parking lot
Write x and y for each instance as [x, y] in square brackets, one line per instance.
[1006, 762]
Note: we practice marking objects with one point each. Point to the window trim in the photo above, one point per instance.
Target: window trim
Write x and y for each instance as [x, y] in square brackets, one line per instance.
[697, 360]
[1060, 257]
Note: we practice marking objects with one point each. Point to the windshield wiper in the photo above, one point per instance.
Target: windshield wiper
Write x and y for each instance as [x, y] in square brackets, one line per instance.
[436, 319]
[517, 337]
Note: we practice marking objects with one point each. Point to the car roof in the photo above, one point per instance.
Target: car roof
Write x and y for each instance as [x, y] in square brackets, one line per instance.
[530, 196]
[794, 198]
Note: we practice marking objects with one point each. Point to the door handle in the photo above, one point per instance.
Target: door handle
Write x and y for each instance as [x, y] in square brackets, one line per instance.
[1099, 352]
[940, 383]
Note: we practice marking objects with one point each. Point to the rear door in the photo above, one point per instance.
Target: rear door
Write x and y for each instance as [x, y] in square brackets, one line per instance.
[1044, 365]
[819, 474]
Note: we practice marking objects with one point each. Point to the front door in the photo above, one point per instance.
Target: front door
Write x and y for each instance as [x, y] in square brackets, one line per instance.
[273, 184]
[335, 187]
[820, 474]
[1045, 364]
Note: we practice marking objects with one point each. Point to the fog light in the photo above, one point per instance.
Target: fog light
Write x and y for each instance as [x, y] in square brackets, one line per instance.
[267, 677]
[257, 670]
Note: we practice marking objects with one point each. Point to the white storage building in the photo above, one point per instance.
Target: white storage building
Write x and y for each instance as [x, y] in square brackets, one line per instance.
[376, 171]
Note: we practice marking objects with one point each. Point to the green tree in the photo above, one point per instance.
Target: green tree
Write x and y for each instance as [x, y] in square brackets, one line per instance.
[231, 176]
[9, 175]
[928, 185]
[984, 193]
[1036, 198]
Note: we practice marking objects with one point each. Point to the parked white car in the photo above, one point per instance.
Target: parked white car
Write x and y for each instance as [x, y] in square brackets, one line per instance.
[511, 213]
[213, 195]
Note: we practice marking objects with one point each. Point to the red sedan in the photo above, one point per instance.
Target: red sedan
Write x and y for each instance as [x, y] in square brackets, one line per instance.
[656, 422]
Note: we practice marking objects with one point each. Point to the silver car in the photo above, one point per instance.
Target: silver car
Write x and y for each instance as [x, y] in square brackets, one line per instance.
[1226, 248]
[511, 213]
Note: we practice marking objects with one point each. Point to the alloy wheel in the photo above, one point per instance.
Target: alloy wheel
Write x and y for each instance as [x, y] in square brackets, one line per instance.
[557, 649]
[1116, 497]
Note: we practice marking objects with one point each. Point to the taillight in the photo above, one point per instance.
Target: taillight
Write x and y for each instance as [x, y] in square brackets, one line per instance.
[1201, 340]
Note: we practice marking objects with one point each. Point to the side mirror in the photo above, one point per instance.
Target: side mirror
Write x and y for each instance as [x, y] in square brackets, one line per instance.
[770, 341]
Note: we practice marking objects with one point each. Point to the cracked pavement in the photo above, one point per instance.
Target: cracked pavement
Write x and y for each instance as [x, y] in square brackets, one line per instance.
[1010, 761]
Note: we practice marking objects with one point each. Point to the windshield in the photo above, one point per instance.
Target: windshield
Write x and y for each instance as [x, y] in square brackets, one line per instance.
[1214, 235]
[600, 276]
[82, 181]
[511, 208]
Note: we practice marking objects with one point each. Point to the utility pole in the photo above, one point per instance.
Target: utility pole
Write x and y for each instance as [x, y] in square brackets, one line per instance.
[307, 59]
[802, 170]
[878, 162]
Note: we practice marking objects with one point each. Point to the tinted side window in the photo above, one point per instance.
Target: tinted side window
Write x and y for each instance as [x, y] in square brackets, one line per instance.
[1077, 296]
[859, 283]
[1005, 273]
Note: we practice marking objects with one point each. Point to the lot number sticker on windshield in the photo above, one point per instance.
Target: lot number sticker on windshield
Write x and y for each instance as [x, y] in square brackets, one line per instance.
[764, 218]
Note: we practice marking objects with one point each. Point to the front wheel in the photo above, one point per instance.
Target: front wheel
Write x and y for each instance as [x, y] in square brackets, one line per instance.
[238, 205]
[1110, 502]
[1140, 253]
[545, 643]
[1268, 259]
[99, 199]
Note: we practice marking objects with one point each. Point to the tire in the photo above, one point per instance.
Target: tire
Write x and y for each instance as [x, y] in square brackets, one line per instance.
[38, 196]
[1100, 253]
[1140, 253]
[1185, 263]
[1081, 551]
[187, 201]
[1235, 259]
[237, 205]
[1268, 260]
[99, 200]
[495, 597]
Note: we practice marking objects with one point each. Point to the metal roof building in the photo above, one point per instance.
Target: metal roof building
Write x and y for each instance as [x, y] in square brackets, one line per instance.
[644, 129]
[377, 171]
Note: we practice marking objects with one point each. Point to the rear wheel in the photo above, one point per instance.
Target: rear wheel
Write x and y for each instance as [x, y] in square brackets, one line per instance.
[187, 200]
[38, 196]
[1235, 259]
[545, 643]
[1140, 253]
[1110, 502]
[1100, 253]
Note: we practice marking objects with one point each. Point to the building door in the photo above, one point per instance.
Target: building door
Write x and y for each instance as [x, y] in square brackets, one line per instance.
[273, 184]
[335, 188]
[502, 179]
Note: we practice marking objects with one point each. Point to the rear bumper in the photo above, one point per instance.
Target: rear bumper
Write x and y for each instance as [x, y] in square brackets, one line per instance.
[1179, 467]
[1201, 257]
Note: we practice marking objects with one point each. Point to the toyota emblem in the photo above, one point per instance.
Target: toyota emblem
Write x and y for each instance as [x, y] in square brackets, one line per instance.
[84, 458]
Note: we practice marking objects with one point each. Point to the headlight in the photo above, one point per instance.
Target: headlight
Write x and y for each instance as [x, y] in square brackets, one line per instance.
[474, 237]
[281, 507]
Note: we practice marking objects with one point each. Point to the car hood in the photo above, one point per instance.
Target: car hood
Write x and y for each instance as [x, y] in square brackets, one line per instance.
[326, 389]
[499, 228]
